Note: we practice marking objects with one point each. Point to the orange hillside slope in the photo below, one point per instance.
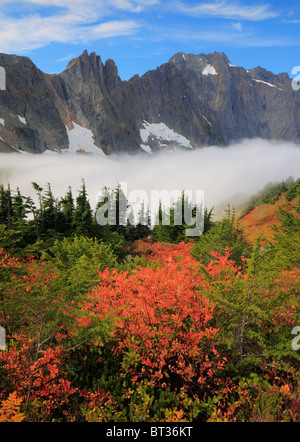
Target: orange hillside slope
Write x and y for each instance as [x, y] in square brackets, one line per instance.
[262, 217]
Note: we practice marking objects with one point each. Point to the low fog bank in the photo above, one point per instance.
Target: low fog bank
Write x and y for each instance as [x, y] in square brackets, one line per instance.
[227, 175]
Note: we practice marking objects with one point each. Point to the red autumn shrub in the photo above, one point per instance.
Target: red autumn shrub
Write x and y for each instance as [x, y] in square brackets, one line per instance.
[164, 328]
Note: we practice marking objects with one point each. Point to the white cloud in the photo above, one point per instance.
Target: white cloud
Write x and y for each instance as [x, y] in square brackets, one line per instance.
[222, 173]
[26, 25]
[237, 26]
[82, 7]
[227, 34]
[293, 22]
[65, 58]
[227, 10]
[71, 21]
[133, 6]
[35, 32]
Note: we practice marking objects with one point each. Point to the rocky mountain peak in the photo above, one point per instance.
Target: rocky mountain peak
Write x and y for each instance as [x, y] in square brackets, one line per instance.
[85, 67]
[192, 100]
[199, 60]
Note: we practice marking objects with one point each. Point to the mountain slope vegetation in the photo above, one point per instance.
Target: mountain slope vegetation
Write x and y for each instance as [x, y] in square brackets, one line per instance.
[113, 324]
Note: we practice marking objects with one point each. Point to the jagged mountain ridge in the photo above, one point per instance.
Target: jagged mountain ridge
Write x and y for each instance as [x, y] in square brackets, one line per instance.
[189, 102]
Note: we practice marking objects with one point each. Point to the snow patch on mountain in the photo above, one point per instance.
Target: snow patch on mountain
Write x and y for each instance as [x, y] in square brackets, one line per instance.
[209, 70]
[163, 134]
[81, 140]
[22, 119]
[208, 122]
[146, 148]
[268, 84]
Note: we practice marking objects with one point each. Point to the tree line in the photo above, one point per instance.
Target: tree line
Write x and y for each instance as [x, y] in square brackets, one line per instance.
[202, 330]
[30, 228]
[49, 218]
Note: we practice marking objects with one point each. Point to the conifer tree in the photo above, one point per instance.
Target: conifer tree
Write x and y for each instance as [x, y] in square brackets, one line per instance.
[121, 210]
[67, 212]
[6, 207]
[142, 228]
[33, 210]
[39, 214]
[19, 208]
[3, 210]
[83, 216]
[287, 237]
[159, 231]
[223, 234]
[9, 208]
[172, 224]
[208, 222]
[49, 209]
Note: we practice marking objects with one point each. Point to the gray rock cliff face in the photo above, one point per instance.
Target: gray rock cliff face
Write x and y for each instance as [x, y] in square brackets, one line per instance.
[189, 102]
[31, 121]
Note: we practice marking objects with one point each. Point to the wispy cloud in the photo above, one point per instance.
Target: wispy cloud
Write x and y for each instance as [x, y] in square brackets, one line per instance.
[83, 5]
[237, 26]
[235, 36]
[72, 21]
[227, 10]
[293, 22]
[133, 6]
[35, 32]
[66, 58]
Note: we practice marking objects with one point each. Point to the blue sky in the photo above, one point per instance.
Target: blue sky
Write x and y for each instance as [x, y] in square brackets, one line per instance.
[142, 34]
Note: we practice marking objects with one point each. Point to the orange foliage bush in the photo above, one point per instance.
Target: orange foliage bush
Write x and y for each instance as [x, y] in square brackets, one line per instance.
[174, 332]
[164, 322]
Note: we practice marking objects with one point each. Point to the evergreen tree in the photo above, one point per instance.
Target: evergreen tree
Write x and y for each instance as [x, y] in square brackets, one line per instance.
[34, 211]
[67, 212]
[114, 208]
[172, 224]
[6, 207]
[83, 216]
[223, 234]
[3, 209]
[121, 211]
[39, 214]
[49, 210]
[160, 232]
[9, 208]
[20, 208]
[286, 245]
[105, 213]
[208, 222]
[142, 228]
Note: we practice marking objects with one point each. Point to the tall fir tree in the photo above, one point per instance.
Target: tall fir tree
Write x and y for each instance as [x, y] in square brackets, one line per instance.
[83, 215]
[121, 210]
[49, 209]
[67, 212]
[6, 207]
[3, 210]
[20, 208]
[39, 213]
